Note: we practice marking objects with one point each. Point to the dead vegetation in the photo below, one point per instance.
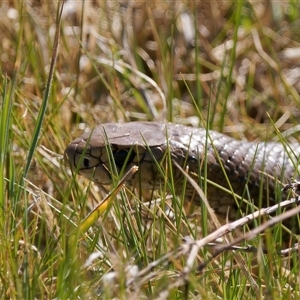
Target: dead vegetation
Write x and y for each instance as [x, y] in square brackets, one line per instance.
[232, 66]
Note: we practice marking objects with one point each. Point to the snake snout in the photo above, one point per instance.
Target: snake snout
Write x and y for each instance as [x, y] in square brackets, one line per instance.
[69, 155]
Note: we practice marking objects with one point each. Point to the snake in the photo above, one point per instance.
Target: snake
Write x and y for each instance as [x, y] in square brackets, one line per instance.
[226, 166]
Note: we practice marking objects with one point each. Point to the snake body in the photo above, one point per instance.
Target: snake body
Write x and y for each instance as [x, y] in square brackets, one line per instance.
[251, 168]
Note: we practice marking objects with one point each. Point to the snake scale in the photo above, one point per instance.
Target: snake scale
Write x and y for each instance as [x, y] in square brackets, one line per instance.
[252, 168]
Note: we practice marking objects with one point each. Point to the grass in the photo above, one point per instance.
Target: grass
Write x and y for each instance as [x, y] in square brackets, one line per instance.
[124, 62]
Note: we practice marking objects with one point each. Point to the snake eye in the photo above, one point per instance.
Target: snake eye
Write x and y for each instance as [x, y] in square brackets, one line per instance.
[86, 162]
[121, 156]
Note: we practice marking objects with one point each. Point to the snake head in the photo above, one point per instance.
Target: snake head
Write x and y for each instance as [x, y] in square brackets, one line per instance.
[123, 145]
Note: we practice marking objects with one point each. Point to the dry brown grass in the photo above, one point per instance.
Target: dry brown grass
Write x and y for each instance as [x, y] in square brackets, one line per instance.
[136, 60]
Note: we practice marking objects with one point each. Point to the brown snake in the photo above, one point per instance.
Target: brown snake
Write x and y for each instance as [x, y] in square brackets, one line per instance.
[251, 168]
